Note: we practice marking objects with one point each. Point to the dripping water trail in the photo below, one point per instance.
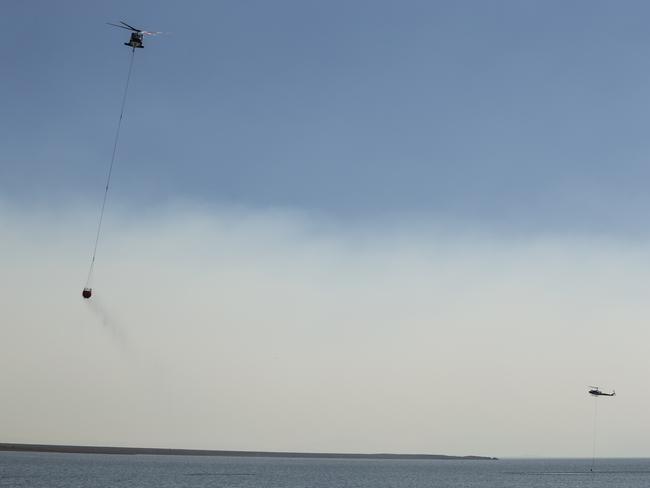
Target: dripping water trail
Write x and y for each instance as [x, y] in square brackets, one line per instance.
[110, 323]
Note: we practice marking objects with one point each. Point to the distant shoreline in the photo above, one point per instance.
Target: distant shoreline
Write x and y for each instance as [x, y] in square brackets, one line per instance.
[205, 452]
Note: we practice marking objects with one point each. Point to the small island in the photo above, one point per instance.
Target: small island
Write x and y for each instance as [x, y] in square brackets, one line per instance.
[205, 452]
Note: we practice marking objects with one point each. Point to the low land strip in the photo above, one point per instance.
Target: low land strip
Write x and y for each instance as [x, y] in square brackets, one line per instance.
[204, 452]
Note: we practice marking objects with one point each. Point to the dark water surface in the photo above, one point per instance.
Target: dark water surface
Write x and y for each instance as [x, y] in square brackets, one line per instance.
[21, 469]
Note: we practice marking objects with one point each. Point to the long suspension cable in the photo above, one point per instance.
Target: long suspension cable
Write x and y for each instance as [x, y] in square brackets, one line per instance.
[593, 452]
[110, 170]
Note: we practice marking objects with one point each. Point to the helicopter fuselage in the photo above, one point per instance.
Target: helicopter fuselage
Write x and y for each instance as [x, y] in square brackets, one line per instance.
[135, 41]
[600, 393]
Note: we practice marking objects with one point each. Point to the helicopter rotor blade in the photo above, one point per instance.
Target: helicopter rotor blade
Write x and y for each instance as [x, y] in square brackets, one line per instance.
[120, 26]
[130, 26]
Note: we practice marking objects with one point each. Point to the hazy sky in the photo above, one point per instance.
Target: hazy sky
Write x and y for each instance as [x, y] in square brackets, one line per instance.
[360, 226]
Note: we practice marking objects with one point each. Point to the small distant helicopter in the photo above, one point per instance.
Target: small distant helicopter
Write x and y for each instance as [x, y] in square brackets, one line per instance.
[137, 35]
[596, 391]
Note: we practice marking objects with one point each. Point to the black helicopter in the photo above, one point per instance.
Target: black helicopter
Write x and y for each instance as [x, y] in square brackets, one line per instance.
[595, 391]
[137, 35]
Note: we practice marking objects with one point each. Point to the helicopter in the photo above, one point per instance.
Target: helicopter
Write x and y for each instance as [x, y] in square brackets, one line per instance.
[596, 391]
[137, 35]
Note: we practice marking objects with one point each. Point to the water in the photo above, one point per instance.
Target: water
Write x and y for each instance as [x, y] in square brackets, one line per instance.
[49, 470]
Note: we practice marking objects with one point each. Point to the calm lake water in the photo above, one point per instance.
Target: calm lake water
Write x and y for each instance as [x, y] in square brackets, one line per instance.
[140, 471]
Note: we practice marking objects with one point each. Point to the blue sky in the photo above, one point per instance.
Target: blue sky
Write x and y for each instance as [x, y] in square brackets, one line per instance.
[520, 115]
